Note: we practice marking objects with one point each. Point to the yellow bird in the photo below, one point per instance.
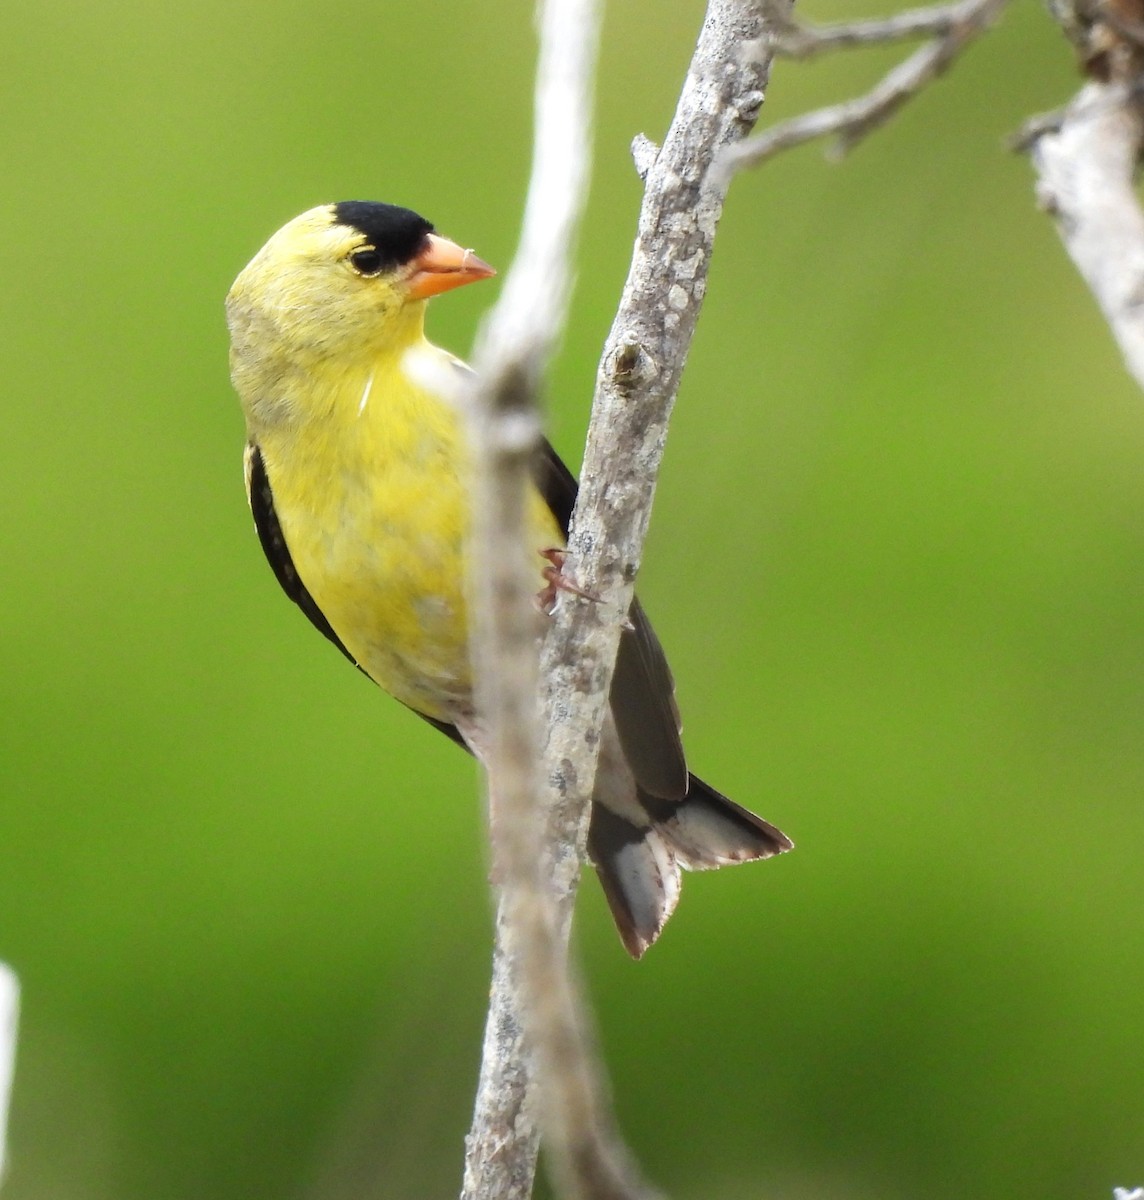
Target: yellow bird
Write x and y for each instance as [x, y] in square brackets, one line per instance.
[357, 477]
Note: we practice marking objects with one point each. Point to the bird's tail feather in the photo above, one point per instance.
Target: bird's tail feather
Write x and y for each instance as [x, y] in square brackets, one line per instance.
[707, 830]
[639, 864]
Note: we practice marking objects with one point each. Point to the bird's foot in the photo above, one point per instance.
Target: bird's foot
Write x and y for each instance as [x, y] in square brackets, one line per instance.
[558, 582]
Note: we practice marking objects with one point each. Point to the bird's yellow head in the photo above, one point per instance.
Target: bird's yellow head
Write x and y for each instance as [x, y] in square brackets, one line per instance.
[331, 291]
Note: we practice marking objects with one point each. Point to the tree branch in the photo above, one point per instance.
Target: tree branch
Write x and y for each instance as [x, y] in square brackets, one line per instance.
[535, 1006]
[808, 41]
[955, 25]
[636, 386]
[1086, 170]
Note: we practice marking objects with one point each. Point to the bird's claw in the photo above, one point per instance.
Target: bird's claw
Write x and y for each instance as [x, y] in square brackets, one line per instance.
[558, 582]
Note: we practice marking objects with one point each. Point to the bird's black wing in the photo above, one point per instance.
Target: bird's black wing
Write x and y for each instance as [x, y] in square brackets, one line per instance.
[277, 553]
[274, 546]
[643, 691]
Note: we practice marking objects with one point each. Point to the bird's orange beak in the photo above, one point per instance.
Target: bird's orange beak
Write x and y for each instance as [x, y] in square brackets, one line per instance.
[442, 266]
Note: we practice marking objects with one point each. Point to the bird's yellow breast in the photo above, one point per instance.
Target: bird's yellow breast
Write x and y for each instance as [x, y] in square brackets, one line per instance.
[372, 495]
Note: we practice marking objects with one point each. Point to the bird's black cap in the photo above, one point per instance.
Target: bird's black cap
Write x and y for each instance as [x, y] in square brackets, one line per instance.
[397, 234]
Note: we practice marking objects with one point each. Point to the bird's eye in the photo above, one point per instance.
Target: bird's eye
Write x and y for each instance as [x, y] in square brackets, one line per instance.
[366, 261]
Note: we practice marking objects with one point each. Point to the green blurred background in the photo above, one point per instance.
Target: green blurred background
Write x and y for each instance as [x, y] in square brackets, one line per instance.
[898, 559]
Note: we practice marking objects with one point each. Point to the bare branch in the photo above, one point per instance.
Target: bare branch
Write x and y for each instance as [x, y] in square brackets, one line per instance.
[1023, 140]
[808, 41]
[635, 390]
[853, 119]
[535, 1005]
[636, 383]
[1086, 171]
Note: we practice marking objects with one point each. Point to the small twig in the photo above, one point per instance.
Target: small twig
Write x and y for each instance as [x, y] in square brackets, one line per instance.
[853, 119]
[807, 41]
[1086, 176]
[1023, 140]
[9, 1018]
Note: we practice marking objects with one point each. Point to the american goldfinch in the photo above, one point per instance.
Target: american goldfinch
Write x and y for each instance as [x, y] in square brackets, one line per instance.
[356, 475]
